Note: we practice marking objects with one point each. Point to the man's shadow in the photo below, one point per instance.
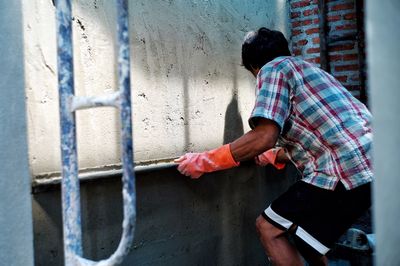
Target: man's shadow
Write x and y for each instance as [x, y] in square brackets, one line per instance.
[233, 121]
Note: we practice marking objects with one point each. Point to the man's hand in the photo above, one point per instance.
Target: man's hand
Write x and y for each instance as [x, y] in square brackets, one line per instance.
[196, 164]
[271, 157]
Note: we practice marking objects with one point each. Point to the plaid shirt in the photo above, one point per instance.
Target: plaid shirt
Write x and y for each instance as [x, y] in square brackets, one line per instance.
[326, 131]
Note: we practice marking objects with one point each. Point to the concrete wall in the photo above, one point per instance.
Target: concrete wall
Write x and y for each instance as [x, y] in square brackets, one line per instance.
[15, 205]
[189, 94]
[187, 82]
[209, 221]
[383, 67]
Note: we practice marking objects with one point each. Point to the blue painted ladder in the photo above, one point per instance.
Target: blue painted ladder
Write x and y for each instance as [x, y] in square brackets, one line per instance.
[69, 104]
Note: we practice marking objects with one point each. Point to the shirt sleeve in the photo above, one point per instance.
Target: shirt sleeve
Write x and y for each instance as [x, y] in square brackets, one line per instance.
[272, 98]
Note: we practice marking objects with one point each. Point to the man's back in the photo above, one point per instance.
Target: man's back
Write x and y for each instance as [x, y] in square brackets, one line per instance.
[324, 128]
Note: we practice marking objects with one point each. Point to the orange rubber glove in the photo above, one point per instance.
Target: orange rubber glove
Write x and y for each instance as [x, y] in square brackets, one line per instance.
[196, 164]
[269, 157]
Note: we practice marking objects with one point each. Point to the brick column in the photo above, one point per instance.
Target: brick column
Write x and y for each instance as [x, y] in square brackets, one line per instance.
[341, 38]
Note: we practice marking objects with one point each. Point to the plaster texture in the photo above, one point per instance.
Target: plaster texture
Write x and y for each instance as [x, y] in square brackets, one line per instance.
[209, 221]
[16, 241]
[383, 67]
[187, 81]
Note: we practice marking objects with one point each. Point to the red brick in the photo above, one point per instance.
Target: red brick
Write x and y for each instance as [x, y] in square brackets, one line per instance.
[316, 60]
[316, 21]
[335, 57]
[342, 7]
[296, 24]
[346, 68]
[297, 52]
[349, 57]
[333, 18]
[315, 40]
[313, 50]
[302, 42]
[296, 32]
[342, 79]
[341, 47]
[346, 27]
[312, 30]
[295, 14]
[350, 16]
[307, 22]
[300, 4]
[310, 12]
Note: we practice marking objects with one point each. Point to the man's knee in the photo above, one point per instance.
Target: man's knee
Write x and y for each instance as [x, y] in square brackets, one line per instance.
[267, 230]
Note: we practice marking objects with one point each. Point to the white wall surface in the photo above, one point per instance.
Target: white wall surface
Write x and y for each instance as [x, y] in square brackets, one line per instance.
[188, 88]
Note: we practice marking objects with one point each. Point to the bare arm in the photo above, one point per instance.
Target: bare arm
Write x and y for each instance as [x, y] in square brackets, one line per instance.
[263, 137]
[282, 157]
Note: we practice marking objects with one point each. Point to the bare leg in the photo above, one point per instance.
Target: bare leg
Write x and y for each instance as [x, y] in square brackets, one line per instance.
[278, 248]
[323, 261]
[312, 257]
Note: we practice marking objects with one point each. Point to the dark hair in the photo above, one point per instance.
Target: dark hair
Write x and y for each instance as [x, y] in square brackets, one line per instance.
[262, 46]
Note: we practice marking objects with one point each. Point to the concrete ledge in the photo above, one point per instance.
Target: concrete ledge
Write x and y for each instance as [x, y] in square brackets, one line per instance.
[47, 181]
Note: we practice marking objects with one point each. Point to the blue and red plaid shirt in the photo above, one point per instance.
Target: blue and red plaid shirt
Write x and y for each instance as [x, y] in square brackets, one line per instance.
[326, 131]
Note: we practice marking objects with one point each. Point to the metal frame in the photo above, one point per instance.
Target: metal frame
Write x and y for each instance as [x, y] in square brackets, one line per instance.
[69, 104]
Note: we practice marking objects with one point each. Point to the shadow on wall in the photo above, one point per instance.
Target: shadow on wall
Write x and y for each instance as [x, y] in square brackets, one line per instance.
[233, 128]
[233, 121]
[185, 85]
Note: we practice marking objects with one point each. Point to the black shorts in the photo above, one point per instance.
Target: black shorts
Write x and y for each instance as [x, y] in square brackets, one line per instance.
[321, 215]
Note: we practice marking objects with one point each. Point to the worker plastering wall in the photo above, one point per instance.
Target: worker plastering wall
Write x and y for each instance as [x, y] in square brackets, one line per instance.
[189, 90]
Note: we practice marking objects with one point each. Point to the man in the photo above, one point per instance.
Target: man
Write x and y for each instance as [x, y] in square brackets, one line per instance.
[322, 129]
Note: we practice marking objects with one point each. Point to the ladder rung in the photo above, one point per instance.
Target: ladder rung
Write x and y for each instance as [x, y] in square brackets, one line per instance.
[85, 102]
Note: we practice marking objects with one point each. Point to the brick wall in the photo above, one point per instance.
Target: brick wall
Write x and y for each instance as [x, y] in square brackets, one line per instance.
[342, 35]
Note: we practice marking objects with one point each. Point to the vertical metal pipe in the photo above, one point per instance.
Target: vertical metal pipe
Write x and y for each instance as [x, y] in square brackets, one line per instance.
[128, 177]
[324, 53]
[361, 51]
[124, 85]
[70, 182]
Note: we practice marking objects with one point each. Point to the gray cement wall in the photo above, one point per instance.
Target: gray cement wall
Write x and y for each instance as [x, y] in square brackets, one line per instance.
[15, 205]
[209, 221]
[383, 67]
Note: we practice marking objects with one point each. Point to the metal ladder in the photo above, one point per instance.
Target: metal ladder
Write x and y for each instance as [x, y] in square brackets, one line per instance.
[69, 104]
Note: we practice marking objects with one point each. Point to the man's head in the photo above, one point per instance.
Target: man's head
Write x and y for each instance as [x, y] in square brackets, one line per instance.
[261, 46]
